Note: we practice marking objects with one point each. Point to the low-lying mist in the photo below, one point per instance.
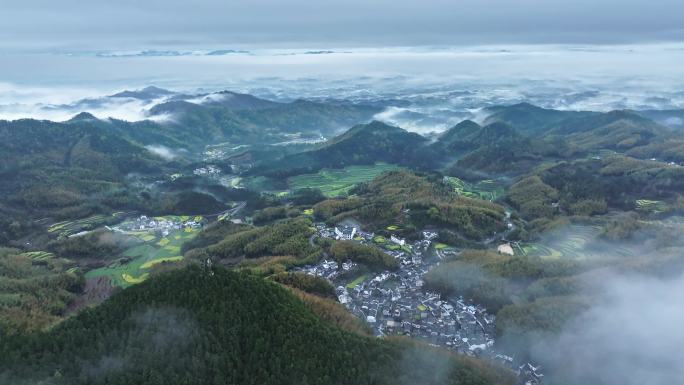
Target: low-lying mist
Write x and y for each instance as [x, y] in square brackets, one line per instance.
[630, 336]
[605, 311]
[630, 331]
[424, 89]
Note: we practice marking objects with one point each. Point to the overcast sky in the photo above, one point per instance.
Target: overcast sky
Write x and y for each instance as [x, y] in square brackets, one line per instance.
[142, 24]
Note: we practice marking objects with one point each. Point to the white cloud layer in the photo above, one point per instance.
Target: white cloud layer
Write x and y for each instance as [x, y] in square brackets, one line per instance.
[424, 89]
[632, 336]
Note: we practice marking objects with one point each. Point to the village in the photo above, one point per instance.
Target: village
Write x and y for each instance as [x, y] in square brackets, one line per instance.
[396, 303]
[161, 225]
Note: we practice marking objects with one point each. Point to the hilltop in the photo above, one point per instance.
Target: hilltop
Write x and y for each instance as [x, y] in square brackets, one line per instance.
[362, 144]
[196, 326]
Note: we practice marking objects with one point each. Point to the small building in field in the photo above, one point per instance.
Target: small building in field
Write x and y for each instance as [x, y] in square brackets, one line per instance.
[505, 248]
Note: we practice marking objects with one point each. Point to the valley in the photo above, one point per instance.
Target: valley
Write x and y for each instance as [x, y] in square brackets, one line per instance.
[287, 192]
[482, 242]
[158, 241]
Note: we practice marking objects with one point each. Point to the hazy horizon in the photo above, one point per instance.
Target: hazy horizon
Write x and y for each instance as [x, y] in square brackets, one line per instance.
[613, 54]
[442, 85]
[40, 25]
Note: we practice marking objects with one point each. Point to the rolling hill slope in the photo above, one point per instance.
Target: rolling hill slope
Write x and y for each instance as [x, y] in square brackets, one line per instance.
[362, 144]
[193, 326]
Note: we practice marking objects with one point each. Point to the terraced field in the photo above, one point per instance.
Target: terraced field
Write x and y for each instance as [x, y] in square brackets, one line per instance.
[651, 206]
[336, 182]
[488, 189]
[67, 228]
[38, 255]
[574, 242]
[153, 249]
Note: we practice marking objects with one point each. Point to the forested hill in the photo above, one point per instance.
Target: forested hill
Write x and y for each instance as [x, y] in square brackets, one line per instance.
[414, 201]
[194, 326]
[583, 132]
[64, 169]
[497, 147]
[530, 119]
[362, 144]
[246, 119]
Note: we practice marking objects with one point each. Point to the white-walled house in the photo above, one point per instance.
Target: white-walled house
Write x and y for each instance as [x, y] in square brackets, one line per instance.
[345, 233]
[397, 240]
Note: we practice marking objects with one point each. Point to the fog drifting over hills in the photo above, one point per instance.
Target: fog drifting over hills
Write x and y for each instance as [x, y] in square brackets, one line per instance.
[424, 89]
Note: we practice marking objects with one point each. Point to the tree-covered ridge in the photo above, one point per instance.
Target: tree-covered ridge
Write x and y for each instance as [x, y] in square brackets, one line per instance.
[243, 118]
[581, 132]
[495, 148]
[370, 256]
[64, 170]
[362, 144]
[35, 290]
[530, 119]
[198, 326]
[330, 310]
[307, 283]
[82, 168]
[495, 279]
[412, 202]
[592, 186]
[269, 250]
[516, 139]
[81, 145]
[287, 238]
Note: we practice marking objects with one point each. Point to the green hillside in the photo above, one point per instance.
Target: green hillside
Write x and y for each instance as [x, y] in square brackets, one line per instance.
[530, 119]
[364, 144]
[195, 326]
[338, 182]
[494, 148]
[414, 201]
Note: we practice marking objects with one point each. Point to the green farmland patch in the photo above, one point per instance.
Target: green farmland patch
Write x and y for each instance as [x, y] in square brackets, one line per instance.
[574, 242]
[488, 189]
[157, 261]
[356, 282]
[651, 206]
[135, 263]
[38, 255]
[67, 228]
[336, 182]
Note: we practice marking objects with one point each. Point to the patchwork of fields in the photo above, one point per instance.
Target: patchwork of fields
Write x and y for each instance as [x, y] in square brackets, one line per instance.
[574, 242]
[67, 228]
[651, 206]
[489, 190]
[154, 248]
[336, 182]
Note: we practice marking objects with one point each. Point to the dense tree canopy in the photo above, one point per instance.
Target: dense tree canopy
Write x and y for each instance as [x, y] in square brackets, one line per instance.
[196, 327]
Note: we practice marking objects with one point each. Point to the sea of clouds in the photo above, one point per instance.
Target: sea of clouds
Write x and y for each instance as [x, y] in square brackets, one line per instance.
[426, 89]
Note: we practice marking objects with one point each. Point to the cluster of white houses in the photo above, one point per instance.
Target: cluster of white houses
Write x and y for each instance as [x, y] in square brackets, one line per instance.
[162, 225]
[347, 233]
[396, 303]
[208, 170]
